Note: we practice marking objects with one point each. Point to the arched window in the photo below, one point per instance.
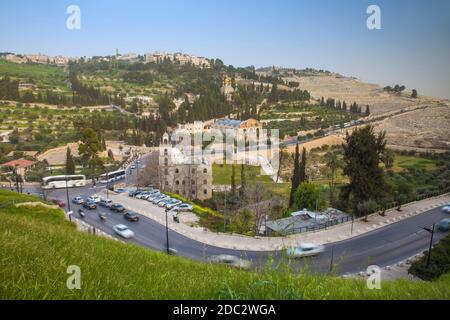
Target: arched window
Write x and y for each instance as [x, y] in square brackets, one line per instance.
[166, 152]
[205, 170]
[177, 183]
[166, 162]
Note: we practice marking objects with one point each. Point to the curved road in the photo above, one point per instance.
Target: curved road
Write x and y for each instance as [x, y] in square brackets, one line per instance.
[385, 246]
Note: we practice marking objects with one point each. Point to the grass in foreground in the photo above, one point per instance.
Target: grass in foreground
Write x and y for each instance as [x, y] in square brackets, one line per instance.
[38, 244]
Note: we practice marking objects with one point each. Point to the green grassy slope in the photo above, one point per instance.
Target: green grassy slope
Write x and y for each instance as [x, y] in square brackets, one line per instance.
[37, 246]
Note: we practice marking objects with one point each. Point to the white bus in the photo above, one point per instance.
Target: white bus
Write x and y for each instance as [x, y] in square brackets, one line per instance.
[112, 176]
[59, 182]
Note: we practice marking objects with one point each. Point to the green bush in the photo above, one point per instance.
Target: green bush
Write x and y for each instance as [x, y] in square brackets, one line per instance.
[439, 262]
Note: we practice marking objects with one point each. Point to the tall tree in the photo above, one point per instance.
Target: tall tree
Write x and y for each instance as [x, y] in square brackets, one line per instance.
[89, 148]
[302, 170]
[295, 181]
[363, 152]
[333, 163]
[70, 163]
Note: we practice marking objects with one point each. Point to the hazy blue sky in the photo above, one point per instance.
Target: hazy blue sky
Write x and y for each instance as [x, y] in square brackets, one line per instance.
[413, 47]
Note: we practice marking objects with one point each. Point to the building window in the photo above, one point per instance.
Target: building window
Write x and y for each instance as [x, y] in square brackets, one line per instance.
[205, 171]
[193, 171]
[205, 181]
[205, 192]
[177, 171]
[193, 182]
[167, 183]
[183, 183]
[166, 152]
[177, 183]
[166, 162]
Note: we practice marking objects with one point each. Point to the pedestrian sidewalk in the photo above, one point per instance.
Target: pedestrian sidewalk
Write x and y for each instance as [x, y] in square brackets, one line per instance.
[239, 242]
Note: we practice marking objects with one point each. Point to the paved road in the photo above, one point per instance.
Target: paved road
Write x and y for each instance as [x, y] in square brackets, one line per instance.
[382, 247]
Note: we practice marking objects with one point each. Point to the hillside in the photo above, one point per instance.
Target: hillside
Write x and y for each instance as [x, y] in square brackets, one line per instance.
[38, 245]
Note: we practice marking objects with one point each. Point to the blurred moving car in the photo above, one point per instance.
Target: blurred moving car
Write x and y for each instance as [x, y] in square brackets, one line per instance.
[94, 198]
[117, 207]
[231, 261]
[105, 203]
[123, 231]
[444, 225]
[305, 250]
[446, 209]
[59, 203]
[131, 216]
[90, 205]
[78, 200]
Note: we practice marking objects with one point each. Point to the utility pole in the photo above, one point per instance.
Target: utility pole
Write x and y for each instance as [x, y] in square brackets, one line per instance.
[431, 244]
[167, 231]
[67, 196]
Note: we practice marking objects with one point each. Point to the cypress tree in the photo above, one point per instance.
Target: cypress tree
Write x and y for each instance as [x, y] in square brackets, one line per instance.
[296, 176]
[302, 170]
[70, 163]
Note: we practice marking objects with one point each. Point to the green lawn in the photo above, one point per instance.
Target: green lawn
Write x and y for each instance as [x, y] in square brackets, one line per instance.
[402, 163]
[38, 245]
[41, 74]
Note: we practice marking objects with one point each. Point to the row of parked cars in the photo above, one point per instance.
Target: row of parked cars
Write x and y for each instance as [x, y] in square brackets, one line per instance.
[158, 198]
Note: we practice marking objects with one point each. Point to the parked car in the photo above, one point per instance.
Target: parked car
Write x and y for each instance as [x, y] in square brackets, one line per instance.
[78, 200]
[305, 250]
[121, 190]
[184, 207]
[123, 231]
[444, 225]
[159, 199]
[59, 203]
[163, 201]
[131, 216]
[90, 205]
[117, 207]
[231, 261]
[173, 204]
[141, 195]
[446, 209]
[153, 196]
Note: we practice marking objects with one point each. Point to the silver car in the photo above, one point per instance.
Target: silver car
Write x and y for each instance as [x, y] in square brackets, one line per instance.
[231, 261]
[123, 231]
[305, 250]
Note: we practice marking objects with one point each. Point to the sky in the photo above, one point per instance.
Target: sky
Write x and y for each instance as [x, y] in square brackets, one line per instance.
[412, 47]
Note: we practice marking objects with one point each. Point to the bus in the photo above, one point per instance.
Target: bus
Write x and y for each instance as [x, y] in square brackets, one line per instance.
[59, 182]
[112, 176]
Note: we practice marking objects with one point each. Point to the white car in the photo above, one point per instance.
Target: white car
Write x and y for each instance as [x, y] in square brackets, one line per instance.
[231, 261]
[446, 209]
[173, 204]
[184, 207]
[123, 231]
[163, 203]
[94, 198]
[158, 199]
[305, 250]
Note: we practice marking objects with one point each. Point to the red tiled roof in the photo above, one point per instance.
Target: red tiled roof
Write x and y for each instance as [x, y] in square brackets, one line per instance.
[21, 163]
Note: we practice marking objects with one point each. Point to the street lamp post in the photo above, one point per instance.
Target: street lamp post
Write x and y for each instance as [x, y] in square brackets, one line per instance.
[167, 231]
[67, 195]
[431, 243]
